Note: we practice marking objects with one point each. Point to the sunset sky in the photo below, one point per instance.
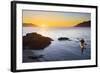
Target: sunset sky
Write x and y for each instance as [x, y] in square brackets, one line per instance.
[54, 19]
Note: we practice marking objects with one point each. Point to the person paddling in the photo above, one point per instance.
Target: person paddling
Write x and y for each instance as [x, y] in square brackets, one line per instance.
[82, 44]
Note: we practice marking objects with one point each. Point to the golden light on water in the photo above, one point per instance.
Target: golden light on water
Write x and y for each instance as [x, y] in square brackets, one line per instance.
[43, 29]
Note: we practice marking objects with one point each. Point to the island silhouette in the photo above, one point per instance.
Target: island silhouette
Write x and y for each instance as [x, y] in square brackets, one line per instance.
[84, 24]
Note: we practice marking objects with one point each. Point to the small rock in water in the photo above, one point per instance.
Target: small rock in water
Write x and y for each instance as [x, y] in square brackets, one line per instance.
[64, 38]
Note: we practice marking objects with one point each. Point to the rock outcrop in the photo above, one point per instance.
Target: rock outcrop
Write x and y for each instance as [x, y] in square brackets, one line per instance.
[35, 41]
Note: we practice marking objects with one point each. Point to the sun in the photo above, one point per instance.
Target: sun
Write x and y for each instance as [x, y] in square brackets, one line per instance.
[43, 25]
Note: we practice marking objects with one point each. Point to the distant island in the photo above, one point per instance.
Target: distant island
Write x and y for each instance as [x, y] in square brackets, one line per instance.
[84, 24]
[29, 25]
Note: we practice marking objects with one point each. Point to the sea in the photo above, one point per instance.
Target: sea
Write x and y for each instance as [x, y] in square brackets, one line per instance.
[60, 50]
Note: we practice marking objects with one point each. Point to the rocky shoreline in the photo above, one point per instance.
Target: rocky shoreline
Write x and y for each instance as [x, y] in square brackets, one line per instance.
[34, 45]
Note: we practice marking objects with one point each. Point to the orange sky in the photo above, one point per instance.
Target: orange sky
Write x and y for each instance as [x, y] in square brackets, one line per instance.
[54, 19]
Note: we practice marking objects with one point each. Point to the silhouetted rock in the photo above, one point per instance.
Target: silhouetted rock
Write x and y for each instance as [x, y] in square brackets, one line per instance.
[63, 38]
[84, 24]
[35, 41]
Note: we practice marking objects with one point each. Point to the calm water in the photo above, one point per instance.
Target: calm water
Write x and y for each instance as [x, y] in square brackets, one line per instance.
[62, 50]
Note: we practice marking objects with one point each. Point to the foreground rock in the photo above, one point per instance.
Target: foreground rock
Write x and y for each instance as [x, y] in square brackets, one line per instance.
[35, 41]
[63, 39]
